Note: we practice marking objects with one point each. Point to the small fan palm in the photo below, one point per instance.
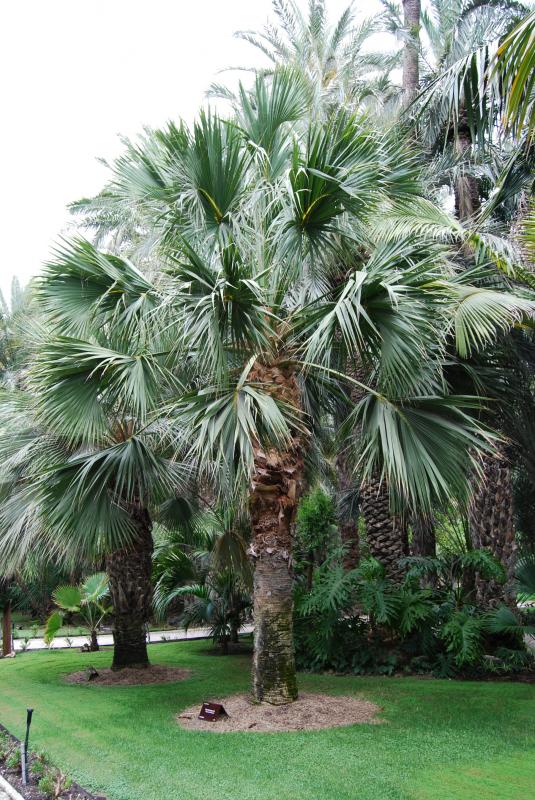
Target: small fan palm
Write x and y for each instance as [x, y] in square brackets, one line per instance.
[88, 600]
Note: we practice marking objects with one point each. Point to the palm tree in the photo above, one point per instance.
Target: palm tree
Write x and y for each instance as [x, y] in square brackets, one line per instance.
[514, 64]
[15, 319]
[336, 67]
[487, 68]
[83, 466]
[411, 54]
[219, 601]
[255, 218]
[492, 527]
[203, 561]
[458, 109]
[89, 600]
[7, 589]
[285, 259]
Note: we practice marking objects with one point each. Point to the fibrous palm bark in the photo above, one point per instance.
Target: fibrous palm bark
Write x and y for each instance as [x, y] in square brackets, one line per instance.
[423, 536]
[491, 506]
[129, 571]
[347, 520]
[386, 533]
[492, 526]
[467, 199]
[411, 71]
[275, 489]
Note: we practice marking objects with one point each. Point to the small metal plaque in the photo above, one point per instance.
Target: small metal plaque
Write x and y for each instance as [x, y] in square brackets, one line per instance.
[212, 711]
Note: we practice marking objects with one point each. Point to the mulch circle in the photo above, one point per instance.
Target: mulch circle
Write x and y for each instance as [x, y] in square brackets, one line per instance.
[310, 712]
[130, 677]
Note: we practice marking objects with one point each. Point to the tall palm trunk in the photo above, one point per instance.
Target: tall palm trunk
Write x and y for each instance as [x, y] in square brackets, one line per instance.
[347, 519]
[491, 509]
[386, 534]
[275, 489]
[411, 71]
[6, 629]
[467, 199]
[492, 527]
[423, 536]
[129, 571]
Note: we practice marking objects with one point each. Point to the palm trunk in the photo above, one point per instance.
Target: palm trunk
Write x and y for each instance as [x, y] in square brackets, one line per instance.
[423, 536]
[467, 200]
[275, 490]
[235, 631]
[129, 571]
[411, 71]
[492, 527]
[346, 521]
[93, 642]
[6, 629]
[386, 534]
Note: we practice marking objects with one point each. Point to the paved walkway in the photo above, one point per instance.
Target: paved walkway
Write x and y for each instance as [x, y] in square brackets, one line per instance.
[105, 639]
[3, 794]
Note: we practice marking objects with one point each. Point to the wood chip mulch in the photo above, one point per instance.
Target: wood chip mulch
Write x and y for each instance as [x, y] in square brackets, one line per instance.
[131, 677]
[310, 712]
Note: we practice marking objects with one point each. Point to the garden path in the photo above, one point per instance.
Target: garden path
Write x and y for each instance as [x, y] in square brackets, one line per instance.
[104, 639]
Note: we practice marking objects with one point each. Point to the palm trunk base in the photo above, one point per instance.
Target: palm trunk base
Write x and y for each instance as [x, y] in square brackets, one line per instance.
[350, 540]
[129, 571]
[274, 678]
[492, 527]
[423, 536]
[130, 646]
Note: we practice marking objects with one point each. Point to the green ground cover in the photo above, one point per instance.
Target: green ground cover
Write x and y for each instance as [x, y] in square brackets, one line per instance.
[441, 739]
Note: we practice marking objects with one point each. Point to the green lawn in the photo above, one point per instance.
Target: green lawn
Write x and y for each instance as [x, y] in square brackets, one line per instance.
[441, 739]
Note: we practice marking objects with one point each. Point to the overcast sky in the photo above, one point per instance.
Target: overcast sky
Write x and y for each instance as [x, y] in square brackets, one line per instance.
[76, 74]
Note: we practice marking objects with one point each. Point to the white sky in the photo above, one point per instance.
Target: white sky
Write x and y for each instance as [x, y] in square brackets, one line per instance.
[76, 74]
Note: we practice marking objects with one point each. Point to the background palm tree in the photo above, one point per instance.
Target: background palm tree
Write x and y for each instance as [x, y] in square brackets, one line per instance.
[411, 50]
[251, 257]
[83, 466]
[334, 61]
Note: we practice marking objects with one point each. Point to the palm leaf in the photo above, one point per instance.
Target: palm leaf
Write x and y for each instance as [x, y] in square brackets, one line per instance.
[69, 598]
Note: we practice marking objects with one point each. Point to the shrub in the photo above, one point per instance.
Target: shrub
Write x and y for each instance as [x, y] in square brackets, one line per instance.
[54, 782]
[5, 745]
[13, 760]
[316, 532]
[359, 621]
[39, 765]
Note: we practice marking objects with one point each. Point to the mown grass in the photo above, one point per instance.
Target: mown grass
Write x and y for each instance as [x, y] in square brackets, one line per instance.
[440, 739]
